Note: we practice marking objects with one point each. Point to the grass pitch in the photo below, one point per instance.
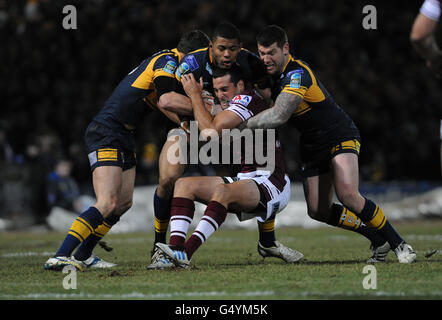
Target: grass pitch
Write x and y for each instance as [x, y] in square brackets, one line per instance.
[229, 267]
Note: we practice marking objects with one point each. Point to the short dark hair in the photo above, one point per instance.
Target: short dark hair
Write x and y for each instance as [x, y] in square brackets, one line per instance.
[235, 73]
[226, 30]
[193, 40]
[271, 34]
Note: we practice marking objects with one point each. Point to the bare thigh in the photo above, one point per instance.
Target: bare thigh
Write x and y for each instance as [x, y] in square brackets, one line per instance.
[107, 181]
[318, 192]
[346, 181]
[125, 197]
[239, 196]
[198, 189]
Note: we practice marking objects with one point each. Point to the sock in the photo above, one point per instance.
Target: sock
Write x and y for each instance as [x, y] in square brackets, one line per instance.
[88, 245]
[267, 236]
[161, 209]
[373, 217]
[81, 228]
[212, 219]
[182, 210]
[343, 218]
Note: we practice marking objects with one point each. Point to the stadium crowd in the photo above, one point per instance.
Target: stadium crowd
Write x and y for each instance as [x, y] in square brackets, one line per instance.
[55, 80]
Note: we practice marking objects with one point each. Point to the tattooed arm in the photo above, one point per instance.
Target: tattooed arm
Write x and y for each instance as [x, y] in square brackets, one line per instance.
[285, 105]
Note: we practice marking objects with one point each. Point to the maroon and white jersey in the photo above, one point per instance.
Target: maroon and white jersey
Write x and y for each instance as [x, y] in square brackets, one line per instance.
[246, 105]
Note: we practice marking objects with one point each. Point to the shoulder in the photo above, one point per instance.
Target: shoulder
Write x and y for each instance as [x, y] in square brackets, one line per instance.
[192, 62]
[247, 104]
[166, 61]
[298, 73]
[195, 59]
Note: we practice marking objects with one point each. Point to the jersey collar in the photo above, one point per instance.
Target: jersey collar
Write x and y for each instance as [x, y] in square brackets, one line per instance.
[175, 50]
[290, 59]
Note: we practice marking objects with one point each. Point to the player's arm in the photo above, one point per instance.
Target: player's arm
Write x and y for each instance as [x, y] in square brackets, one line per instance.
[169, 97]
[175, 102]
[422, 35]
[285, 105]
[223, 120]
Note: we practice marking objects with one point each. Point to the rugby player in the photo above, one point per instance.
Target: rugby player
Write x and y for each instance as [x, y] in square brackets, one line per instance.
[111, 150]
[254, 192]
[224, 51]
[329, 148]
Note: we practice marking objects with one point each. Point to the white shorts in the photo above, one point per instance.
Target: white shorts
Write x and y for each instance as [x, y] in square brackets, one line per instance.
[278, 198]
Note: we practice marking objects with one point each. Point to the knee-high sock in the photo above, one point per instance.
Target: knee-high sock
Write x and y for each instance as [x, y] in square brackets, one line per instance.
[80, 230]
[213, 218]
[373, 217]
[182, 210]
[343, 218]
[88, 245]
[161, 208]
[267, 232]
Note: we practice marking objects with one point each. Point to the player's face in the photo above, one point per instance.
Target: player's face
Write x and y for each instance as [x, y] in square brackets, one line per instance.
[225, 90]
[225, 51]
[273, 57]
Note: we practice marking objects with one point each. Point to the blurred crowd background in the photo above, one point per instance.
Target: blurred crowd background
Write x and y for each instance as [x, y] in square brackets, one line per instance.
[53, 81]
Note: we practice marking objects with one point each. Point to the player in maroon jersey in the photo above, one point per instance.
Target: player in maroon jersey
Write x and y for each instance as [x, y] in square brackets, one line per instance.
[257, 190]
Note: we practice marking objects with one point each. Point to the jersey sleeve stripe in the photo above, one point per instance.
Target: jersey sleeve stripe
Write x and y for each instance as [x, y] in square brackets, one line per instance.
[241, 111]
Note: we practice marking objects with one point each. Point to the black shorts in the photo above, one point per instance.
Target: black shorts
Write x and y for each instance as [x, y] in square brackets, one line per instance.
[109, 147]
[319, 162]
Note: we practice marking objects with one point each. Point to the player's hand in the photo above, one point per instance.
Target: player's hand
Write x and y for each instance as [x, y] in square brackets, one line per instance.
[208, 99]
[191, 86]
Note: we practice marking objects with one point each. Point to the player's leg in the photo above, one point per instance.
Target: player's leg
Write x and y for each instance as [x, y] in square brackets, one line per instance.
[187, 190]
[241, 195]
[125, 198]
[346, 177]
[107, 181]
[318, 191]
[169, 173]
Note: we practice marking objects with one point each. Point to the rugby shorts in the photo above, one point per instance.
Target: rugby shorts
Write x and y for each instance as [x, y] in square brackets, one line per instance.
[109, 147]
[319, 162]
[272, 200]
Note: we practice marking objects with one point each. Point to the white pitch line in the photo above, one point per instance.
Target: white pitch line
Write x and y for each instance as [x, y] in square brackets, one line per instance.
[220, 294]
[26, 254]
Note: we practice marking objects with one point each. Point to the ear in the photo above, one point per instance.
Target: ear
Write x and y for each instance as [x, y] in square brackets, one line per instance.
[286, 48]
[241, 86]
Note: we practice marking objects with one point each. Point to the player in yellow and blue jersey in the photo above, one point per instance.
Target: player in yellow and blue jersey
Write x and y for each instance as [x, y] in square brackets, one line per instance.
[110, 145]
[329, 148]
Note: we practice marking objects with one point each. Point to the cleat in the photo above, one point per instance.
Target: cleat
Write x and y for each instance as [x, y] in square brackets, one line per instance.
[160, 261]
[58, 263]
[94, 262]
[379, 253]
[179, 257]
[280, 251]
[405, 253]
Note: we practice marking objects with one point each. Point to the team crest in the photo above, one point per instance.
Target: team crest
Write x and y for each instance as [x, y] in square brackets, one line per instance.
[192, 62]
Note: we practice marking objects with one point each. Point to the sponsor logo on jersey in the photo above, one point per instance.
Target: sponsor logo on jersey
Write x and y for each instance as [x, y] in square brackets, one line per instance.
[295, 81]
[182, 69]
[242, 99]
[208, 68]
[170, 67]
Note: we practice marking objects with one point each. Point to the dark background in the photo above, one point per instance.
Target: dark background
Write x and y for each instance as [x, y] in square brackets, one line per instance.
[53, 81]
